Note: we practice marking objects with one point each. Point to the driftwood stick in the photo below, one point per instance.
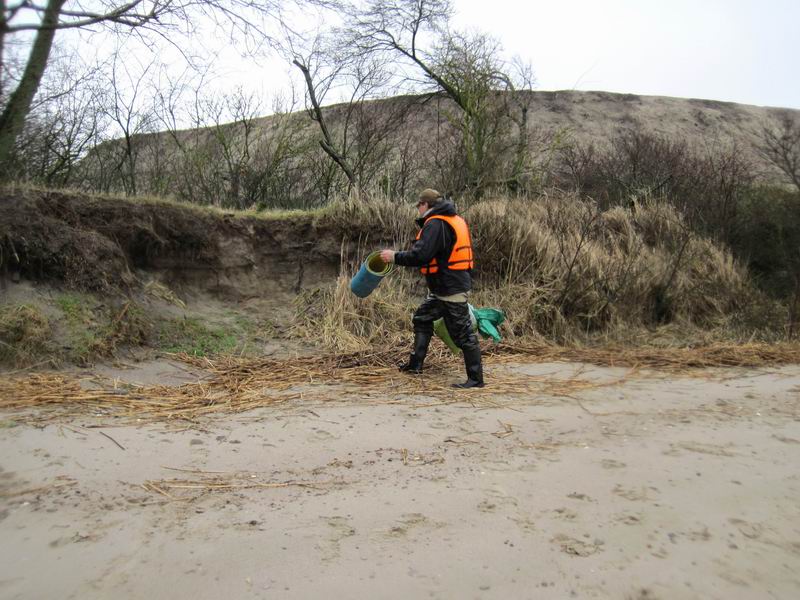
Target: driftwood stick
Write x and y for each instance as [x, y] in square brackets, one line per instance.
[112, 439]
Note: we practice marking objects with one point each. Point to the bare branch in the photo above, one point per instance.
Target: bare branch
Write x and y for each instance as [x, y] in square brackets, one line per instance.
[781, 146]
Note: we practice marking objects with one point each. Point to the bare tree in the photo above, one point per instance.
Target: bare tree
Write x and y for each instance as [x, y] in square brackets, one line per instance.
[276, 175]
[47, 20]
[492, 106]
[130, 111]
[356, 134]
[179, 100]
[230, 155]
[578, 166]
[781, 146]
[61, 125]
[315, 112]
[520, 81]
[245, 19]
[723, 174]
[234, 134]
[466, 67]
[377, 141]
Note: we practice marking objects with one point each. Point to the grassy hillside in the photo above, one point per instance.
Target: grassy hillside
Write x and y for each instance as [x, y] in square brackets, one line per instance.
[402, 144]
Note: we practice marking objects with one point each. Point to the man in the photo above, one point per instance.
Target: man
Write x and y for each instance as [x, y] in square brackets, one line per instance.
[443, 253]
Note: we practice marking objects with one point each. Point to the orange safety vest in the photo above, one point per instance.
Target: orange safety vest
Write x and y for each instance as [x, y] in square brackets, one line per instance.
[461, 257]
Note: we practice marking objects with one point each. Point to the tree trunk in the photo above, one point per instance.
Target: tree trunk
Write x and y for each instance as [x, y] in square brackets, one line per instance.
[327, 141]
[12, 121]
[3, 25]
[521, 150]
[794, 309]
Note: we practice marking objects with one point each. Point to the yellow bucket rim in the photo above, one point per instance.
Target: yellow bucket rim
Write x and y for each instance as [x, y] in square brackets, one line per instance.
[387, 267]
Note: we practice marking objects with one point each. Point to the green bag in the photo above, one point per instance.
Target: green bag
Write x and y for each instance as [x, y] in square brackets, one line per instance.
[489, 319]
[484, 320]
[440, 329]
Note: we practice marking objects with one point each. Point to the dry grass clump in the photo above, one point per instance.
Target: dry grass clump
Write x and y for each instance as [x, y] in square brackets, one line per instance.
[91, 327]
[369, 218]
[600, 270]
[337, 319]
[24, 334]
[558, 266]
[334, 317]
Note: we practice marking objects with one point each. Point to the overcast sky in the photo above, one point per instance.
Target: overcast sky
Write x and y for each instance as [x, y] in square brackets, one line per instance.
[745, 51]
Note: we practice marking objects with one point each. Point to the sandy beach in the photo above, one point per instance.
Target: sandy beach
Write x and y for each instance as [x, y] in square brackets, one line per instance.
[652, 486]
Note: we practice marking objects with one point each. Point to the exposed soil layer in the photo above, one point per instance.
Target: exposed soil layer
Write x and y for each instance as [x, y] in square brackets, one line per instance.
[113, 245]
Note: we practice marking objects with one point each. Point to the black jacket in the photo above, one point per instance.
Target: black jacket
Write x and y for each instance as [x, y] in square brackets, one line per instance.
[437, 242]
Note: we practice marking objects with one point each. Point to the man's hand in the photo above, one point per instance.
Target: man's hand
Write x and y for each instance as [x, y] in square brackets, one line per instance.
[387, 256]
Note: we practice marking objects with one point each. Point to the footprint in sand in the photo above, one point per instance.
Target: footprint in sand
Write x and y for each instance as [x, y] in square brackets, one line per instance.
[320, 435]
[628, 519]
[466, 425]
[699, 448]
[498, 465]
[526, 524]
[607, 463]
[62, 541]
[500, 496]
[497, 498]
[579, 496]
[635, 495]
[339, 528]
[749, 530]
[72, 539]
[756, 531]
[565, 513]
[409, 522]
[6, 478]
[732, 578]
[699, 535]
[575, 547]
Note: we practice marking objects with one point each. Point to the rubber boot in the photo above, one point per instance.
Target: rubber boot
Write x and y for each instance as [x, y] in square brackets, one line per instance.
[472, 362]
[414, 364]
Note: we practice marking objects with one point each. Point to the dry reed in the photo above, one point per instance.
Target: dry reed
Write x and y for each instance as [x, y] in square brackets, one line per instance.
[560, 269]
[205, 482]
[237, 385]
[715, 355]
